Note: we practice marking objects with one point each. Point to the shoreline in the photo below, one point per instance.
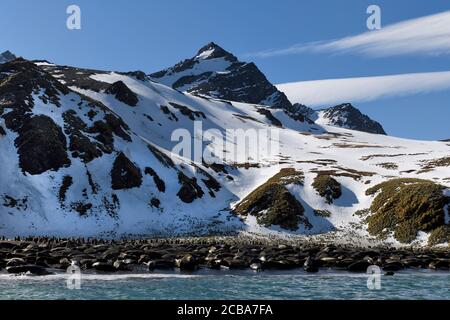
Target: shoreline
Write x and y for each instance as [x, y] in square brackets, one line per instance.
[38, 256]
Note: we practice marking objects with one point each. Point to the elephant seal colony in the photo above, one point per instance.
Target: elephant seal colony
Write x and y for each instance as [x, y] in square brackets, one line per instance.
[44, 256]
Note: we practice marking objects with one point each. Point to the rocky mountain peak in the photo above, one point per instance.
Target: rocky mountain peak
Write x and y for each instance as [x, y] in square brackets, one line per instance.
[214, 51]
[347, 116]
[7, 56]
[216, 73]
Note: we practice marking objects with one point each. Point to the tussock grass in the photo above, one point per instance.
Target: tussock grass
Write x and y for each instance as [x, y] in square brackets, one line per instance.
[439, 235]
[388, 165]
[273, 204]
[406, 206]
[327, 187]
[430, 165]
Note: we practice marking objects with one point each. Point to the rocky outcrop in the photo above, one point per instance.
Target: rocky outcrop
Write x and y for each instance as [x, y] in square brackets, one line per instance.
[123, 93]
[158, 181]
[305, 111]
[41, 146]
[190, 190]
[125, 174]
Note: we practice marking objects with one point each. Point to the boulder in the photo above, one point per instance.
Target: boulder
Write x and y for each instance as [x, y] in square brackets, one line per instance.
[123, 93]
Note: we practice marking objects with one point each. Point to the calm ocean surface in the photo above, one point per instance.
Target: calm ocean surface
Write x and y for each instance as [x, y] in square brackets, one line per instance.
[229, 285]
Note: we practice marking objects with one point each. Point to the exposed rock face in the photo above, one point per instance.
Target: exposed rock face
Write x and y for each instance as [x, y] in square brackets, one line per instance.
[217, 73]
[306, 111]
[123, 93]
[19, 80]
[103, 131]
[190, 190]
[274, 121]
[139, 75]
[41, 146]
[78, 77]
[158, 181]
[65, 185]
[125, 174]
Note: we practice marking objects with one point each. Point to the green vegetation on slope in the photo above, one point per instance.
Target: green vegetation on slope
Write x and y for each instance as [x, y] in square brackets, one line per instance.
[273, 204]
[327, 187]
[405, 207]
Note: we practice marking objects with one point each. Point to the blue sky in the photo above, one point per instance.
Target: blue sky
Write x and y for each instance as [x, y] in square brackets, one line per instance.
[151, 35]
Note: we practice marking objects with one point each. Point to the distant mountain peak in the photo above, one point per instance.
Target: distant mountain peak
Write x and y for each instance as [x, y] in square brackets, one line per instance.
[347, 116]
[7, 56]
[344, 116]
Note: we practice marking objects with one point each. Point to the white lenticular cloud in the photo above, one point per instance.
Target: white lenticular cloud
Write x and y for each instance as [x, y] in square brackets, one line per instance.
[335, 91]
[429, 35]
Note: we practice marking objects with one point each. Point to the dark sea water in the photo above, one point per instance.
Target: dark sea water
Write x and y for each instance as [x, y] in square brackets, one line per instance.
[226, 285]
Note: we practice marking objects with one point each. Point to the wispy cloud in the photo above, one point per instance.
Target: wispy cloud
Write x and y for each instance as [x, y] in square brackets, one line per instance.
[429, 35]
[354, 90]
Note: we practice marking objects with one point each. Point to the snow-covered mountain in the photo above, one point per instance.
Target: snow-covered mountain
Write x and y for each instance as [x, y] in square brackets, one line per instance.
[217, 73]
[71, 165]
[6, 57]
[91, 153]
[343, 116]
